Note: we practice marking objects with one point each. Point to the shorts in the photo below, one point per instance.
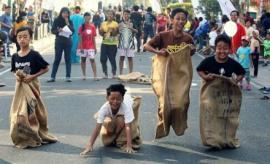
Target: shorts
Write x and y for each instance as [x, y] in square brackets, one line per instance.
[126, 52]
[90, 53]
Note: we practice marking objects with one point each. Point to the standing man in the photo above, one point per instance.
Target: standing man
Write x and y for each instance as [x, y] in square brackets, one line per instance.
[149, 22]
[31, 18]
[6, 25]
[109, 31]
[236, 39]
[137, 21]
[77, 20]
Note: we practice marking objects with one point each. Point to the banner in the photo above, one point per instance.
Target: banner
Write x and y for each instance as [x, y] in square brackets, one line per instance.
[226, 7]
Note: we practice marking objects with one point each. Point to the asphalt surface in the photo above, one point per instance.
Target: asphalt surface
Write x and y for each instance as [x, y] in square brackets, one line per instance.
[71, 107]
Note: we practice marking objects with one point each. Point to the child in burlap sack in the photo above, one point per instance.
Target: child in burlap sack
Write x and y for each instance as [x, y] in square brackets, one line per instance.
[28, 115]
[220, 97]
[172, 74]
[112, 118]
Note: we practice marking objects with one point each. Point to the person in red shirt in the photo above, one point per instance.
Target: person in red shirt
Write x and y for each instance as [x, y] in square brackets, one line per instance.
[162, 23]
[87, 45]
[236, 39]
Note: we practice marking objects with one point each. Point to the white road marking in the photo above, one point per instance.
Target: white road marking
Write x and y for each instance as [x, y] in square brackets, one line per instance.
[5, 71]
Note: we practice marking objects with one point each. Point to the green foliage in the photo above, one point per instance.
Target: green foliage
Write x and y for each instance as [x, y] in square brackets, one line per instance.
[187, 6]
[210, 8]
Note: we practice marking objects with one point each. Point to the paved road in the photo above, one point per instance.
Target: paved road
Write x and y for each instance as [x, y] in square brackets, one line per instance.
[71, 107]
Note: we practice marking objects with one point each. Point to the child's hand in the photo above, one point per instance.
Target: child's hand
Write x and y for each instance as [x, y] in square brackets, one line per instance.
[209, 77]
[234, 80]
[18, 78]
[162, 52]
[128, 149]
[86, 150]
[28, 78]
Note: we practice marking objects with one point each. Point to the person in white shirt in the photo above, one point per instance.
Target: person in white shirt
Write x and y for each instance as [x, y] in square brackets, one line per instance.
[249, 29]
[120, 114]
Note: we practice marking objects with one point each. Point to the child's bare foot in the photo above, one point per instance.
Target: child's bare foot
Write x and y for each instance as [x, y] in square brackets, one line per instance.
[84, 78]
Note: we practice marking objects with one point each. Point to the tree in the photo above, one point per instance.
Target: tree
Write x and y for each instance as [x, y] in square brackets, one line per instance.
[209, 8]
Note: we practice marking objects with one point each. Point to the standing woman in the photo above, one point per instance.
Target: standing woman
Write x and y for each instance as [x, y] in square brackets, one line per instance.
[109, 30]
[63, 42]
[87, 45]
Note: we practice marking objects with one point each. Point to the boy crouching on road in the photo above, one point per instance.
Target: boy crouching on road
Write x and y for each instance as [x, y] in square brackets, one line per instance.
[120, 116]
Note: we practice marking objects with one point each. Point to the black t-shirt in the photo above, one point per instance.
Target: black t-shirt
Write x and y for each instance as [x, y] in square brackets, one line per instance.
[210, 65]
[32, 62]
[136, 19]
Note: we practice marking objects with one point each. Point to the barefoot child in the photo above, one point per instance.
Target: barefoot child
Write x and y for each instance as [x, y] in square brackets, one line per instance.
[87, 45]
[120, 116]
[28, 123]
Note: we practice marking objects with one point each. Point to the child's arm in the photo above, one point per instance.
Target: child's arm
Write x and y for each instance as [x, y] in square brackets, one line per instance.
[94, 41]
[206, 77]
[89, 146]
[30, 78]
[128, 149]
[251, 61]
[239, 78]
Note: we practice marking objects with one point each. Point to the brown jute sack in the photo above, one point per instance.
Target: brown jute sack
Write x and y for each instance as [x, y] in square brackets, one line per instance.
[120, 141]
[171, 81]
[220, 103]
[135, 77]
[28, 116]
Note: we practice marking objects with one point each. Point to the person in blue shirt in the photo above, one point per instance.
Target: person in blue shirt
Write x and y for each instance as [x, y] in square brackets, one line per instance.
[6, 25]
[77, 20]
[245, 59]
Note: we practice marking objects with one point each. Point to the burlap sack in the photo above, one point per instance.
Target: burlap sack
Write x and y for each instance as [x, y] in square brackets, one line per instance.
[135, 77]
[171, 81]
[220, 103]
[28, 116]
[108, 126]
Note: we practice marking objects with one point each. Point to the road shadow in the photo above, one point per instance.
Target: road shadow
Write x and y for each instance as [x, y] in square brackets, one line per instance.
[4, 162]
[150, 153]
[59, 148]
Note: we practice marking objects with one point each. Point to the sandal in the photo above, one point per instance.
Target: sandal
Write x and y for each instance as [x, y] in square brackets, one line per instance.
[263, 88]
[265, 98]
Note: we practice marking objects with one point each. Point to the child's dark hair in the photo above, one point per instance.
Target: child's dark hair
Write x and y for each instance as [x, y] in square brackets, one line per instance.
[178, 10]
[116, 88]
[25, 28]
[235, 11]
[127, 11]
[136, 8]
[149, 9]
[223, 38]
[77, 8]
[85, 15]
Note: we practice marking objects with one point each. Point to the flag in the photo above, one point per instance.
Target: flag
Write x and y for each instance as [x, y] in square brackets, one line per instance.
[226, 7]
